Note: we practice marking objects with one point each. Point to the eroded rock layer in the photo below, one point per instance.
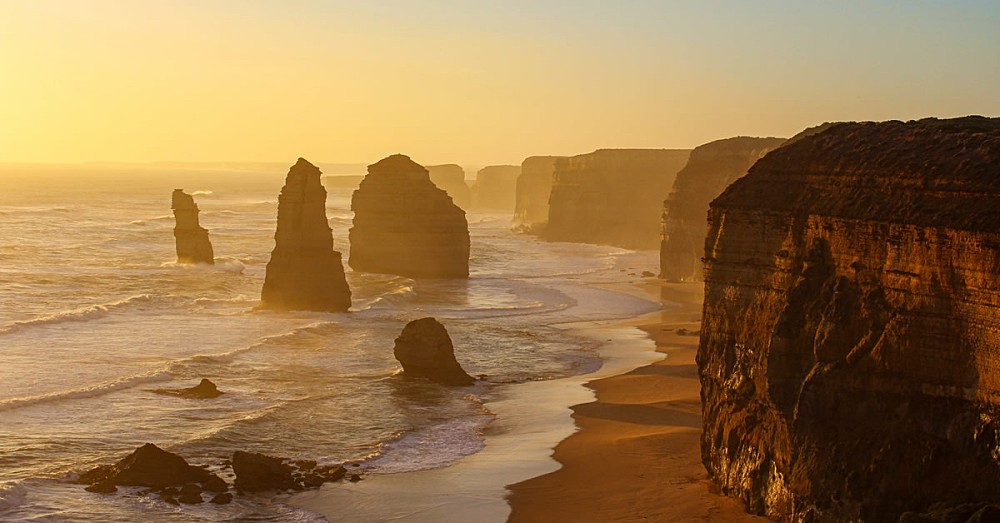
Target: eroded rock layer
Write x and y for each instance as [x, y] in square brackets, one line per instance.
[191, 238]
[850, 349]
[451, 178]
[405, 225]
[534, 184]
[496, 188]
[304, 273]
[709, 170]
[612, 196]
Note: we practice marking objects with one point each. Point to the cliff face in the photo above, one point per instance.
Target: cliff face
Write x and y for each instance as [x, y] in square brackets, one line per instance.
[496, 188]
[710, 169]
[191, 238]
[304, 273]
[451, 178]
[849, 354]
[534, 184]
[405, 225]
[612, 196]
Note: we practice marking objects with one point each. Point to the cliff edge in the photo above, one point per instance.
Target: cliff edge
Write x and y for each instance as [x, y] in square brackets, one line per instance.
[850, 349]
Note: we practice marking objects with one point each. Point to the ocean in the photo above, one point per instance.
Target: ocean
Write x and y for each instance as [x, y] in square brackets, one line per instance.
[94, 314]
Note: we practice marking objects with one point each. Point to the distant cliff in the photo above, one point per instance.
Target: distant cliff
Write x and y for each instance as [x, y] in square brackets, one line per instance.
[612, 196]
[405, 225]
[850, 346]
[190, 237]
[451, 178]
[304, 272]
[495, 188]
[534, 184]
[710, 169]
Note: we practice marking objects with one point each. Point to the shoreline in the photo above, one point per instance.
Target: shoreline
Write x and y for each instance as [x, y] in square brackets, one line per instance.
[637, 453]
[531, 418]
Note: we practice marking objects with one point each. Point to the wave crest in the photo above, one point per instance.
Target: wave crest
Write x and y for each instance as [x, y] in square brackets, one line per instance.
[87, 392]
[92, 312]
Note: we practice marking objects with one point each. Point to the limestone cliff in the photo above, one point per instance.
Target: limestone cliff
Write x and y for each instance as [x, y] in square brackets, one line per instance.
[190, 237]
[850, 349]
[495, 188]
[612, 196]
[451, 178]
[534, 184]
[405, 225]
[710, 169]
[304, 273]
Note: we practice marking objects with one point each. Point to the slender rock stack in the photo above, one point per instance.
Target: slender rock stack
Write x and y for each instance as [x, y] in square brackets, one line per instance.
[451, 178]
[405, 225]
[304, 273]
[192, 241]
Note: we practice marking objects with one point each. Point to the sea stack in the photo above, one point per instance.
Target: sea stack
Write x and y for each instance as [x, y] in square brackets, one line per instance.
[496, 188]
[304, 273]
[709, 170]
[451, 178]
[191, 238]
[612, 196]
[534, 184]
[849, 347]
[405, 225]
[424, 349]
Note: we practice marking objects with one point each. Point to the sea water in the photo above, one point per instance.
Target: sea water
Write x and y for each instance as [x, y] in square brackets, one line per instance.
[95, 314]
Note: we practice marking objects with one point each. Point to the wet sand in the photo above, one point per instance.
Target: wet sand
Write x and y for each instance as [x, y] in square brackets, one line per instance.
[637, 454]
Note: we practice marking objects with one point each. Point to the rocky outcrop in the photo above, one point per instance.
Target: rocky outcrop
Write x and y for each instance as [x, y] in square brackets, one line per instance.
[495, 188]
[304, 273]
[709, 170]
[451, 178]
[848, 355]
[534, 184]
[149, 466]
[405, 225]
[203, 390]
[612, 196]
[424, 349]
[191, 238]
[260, 473]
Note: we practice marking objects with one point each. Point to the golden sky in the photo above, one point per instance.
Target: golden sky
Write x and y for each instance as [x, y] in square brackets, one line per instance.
[469, 81]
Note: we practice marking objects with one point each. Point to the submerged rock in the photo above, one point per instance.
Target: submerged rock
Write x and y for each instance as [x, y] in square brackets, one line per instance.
[304, 273]
[191, 238]
[425, 351]
[204, 390]
[405, 225]
[709, 170]
[534, 184]
[848, 352]
[259, 472]
[147, 466]
[496, 188]
[451, 178]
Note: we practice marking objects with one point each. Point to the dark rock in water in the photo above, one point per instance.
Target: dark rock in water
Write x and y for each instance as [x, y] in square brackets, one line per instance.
[148, 466]
[204, 390]
[849, 344]
[170, 499]
[304, 273]
[258, 472]
[215, 484]
[425, 351]
[496, 188]
[405, 225]
[222, 499]
[102, 487]
[190, 494]
[963, 513]
[330, 472]
[355, 478]
[451, 178]
[192, 241]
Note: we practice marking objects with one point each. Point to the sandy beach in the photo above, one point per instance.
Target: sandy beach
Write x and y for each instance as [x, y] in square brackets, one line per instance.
[637, 454]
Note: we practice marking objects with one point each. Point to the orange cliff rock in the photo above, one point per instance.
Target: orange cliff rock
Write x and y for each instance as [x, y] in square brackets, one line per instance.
[850, 346]
[405, 225]
[710, 169]
[304, 273]
[612, 196]
[495, 188]
[451, 178]
[193, 245]
[534, 184]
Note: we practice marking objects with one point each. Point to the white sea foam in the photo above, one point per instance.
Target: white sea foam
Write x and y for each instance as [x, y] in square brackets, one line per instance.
[12, 494]
[201, 193]
[93, 312]
[88, 391]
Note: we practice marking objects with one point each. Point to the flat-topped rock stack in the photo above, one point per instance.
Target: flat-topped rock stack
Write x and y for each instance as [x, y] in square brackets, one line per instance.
[496, 188]
[405, 225]
[534, 184]
[451, 178]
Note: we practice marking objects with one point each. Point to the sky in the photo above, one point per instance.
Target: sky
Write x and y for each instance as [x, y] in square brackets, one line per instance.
[470, 81]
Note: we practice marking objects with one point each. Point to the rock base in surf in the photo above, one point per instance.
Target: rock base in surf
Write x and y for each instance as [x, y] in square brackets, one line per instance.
[424, 349]
[204, 390]
[149, 466]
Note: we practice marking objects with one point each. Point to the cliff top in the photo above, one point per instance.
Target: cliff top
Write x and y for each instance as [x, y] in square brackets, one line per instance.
[927, 172]
[396, 164]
